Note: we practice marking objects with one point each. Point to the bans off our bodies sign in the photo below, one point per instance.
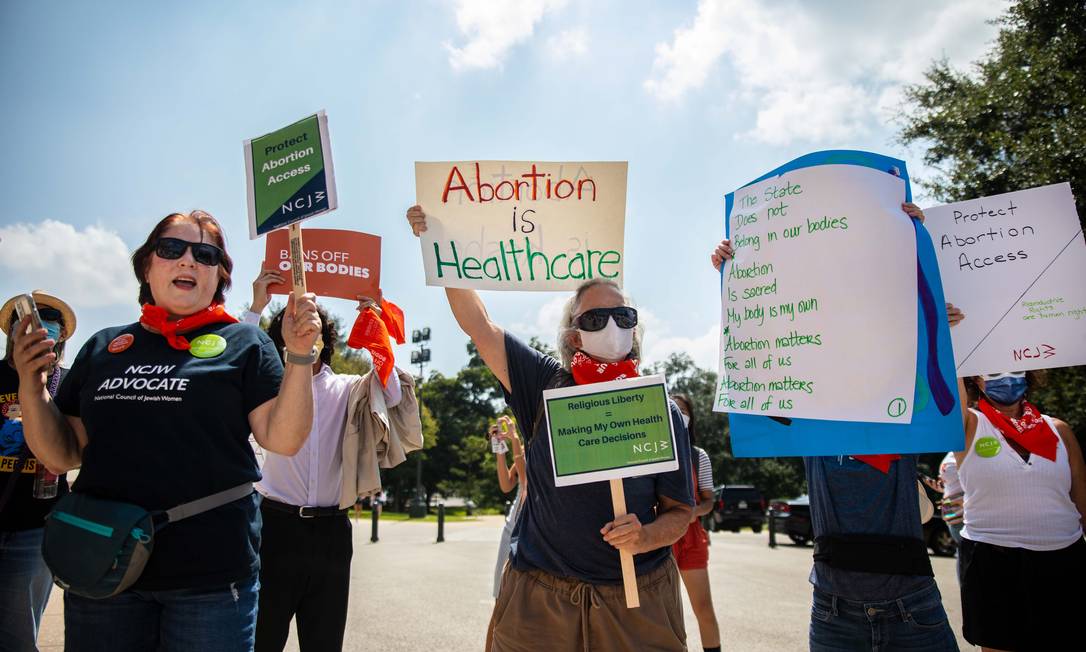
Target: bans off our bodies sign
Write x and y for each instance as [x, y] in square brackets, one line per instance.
[521, 225]
[289, 175]
[610, 430]
[338, 263]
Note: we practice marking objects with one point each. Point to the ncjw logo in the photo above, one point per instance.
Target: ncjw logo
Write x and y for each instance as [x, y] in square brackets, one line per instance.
[303, 202]
[1034, 352]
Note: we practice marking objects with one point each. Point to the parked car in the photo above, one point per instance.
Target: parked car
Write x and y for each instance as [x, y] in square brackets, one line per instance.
[736, 506]
[793, 518]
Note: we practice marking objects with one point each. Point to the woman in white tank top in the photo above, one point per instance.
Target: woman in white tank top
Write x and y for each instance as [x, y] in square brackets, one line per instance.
[1025, 503]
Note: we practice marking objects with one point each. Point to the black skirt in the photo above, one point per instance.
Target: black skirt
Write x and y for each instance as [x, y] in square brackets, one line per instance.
[1018, 599]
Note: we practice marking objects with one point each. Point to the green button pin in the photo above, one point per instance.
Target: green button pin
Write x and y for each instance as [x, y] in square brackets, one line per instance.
[988, 446]
[207, 346]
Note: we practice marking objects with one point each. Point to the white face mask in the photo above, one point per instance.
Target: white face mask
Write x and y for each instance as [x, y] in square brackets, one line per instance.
[609, 344]
[685, 418]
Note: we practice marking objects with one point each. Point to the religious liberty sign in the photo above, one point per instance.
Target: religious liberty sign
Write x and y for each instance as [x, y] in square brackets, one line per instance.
[521, 225]
[289, 175]
[1015, 264]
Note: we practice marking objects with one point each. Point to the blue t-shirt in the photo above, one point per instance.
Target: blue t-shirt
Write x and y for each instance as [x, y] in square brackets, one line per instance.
[852, 497]
[559, 527]
[165, 427]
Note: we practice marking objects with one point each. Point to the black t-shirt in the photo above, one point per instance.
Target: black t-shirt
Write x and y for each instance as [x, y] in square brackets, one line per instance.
[23, 511]
[559, 527]
[165, 427]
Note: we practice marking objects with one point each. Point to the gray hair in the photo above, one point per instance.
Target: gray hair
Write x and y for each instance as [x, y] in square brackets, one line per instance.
[566, 328]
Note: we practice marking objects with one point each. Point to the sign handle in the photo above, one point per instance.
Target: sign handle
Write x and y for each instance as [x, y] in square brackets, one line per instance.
[629, 577]
[297, 261]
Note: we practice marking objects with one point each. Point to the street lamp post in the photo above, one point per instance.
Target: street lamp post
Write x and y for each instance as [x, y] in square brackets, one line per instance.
[417, 508]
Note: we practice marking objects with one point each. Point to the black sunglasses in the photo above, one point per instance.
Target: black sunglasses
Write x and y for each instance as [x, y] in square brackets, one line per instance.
[49, 314]
[596, 318]
[174, 248]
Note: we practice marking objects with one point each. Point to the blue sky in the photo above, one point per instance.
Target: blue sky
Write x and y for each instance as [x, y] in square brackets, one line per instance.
[120, 113]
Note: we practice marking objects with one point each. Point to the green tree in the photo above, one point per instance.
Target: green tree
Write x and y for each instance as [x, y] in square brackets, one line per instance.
[1016, 120]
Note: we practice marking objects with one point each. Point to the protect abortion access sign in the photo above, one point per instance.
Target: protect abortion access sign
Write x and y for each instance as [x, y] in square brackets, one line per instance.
[1015, 264]
[289, 175]
[338, 263]
[521, 225]
[611, 430]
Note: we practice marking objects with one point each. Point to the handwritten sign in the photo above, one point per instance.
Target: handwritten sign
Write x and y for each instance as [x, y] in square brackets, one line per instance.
[819, 303]
[338, 263]
[611, 430]
[1015, 265]
[289, 175]
[521, 225]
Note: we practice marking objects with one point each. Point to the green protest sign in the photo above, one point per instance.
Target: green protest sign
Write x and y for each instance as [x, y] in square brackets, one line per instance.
[605, 431]
[289, 175]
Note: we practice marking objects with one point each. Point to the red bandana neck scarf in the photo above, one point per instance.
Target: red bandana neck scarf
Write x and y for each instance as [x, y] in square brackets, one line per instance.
[155, 317]
[880, 462]
[1031, 431]
[372, 332]
[585, 370]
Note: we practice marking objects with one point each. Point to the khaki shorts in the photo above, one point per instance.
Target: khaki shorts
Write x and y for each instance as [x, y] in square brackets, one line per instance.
[538, 611]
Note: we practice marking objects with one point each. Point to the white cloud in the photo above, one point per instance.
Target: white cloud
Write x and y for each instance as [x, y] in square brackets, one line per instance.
[88, 268]
[814, 74]
[493, 27]
[660, 342]
[545, 322]
[569, 44]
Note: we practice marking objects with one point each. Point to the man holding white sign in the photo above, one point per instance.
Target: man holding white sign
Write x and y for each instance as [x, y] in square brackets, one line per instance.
[563, 583]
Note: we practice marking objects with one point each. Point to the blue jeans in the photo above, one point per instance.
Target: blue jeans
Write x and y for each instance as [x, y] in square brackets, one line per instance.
[221, 619]
[912, 622]
[25, 582]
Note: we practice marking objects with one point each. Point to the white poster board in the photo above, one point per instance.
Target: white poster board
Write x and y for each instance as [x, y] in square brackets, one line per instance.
[1016, 266]
[819, 305]
[521, 225]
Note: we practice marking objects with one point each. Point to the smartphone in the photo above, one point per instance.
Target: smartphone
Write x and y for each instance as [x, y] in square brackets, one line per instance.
[24, 305]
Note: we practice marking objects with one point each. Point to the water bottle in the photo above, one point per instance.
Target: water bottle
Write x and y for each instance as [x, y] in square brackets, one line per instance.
[45, 483]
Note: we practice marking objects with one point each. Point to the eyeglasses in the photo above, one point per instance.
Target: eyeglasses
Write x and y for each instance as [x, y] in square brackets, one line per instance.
[174, 248]
[596, 318]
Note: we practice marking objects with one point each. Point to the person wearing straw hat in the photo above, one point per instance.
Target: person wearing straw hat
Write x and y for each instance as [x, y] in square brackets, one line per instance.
[23, 501]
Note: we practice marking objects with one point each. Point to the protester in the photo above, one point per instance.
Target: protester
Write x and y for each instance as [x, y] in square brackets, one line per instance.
[509, 477]
[157, 414]
[692, 550]
[563, 584]
[306, 549]
[27, 581]
[1025, 504]
[873, 583]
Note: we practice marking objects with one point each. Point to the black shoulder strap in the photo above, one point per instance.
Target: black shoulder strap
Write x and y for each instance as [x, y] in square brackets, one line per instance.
[874, 554]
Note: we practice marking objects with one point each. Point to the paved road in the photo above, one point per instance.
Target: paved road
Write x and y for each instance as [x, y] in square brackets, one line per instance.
[409, 593]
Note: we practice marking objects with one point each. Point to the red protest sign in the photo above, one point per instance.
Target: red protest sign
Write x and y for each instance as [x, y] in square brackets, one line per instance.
[338, 263]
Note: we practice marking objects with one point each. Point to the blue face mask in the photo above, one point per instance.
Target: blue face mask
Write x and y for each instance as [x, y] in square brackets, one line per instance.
[1007, 390]
[53, 329]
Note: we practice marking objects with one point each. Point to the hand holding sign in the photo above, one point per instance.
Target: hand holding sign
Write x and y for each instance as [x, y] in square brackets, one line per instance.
[301, 323]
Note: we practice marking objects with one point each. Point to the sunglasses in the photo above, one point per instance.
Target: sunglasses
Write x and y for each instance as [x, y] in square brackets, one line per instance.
[596, 319]
[49, 314]
[174, 248]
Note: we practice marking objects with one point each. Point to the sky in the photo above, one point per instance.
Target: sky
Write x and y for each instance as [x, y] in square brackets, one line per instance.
[121, 113]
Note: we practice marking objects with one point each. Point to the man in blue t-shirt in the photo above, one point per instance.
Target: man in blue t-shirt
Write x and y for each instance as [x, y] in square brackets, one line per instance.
[563, 584]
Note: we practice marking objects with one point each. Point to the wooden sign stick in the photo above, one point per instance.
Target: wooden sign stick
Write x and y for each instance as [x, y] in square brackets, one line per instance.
[297, 261]
[629, 577]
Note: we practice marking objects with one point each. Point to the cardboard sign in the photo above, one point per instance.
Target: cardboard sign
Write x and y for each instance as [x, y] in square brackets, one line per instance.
[342, 264]
[521, 225]
[936, 422]
[610, 430]
[289, 175]
[1015, 264]
[819, 303]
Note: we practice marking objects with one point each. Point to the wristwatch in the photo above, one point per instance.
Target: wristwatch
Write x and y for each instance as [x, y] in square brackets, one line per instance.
[294, 358]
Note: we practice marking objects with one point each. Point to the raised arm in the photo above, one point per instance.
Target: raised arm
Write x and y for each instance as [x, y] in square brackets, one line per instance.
[57, 441]
[506, 476]
[969, 420]
[471, 315]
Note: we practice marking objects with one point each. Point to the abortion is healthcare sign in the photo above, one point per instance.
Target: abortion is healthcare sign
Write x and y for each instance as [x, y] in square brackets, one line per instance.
[610, 430]
[521, 225]
[289, 175]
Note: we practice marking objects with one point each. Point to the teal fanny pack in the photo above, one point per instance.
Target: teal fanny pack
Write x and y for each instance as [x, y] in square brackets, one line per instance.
[97, 548]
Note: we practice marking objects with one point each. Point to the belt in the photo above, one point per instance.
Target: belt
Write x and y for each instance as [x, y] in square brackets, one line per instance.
[304, 511]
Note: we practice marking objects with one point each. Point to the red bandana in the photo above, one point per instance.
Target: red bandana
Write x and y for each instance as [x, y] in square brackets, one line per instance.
[586, 370]
[156, 318]
[880, 462]
[1031, 431]
[371, 332]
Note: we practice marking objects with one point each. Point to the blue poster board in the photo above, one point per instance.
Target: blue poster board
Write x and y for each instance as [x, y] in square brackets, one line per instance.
[937, 422]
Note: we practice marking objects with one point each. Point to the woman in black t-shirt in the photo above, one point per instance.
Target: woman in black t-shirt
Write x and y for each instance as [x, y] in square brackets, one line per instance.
[158, 413]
